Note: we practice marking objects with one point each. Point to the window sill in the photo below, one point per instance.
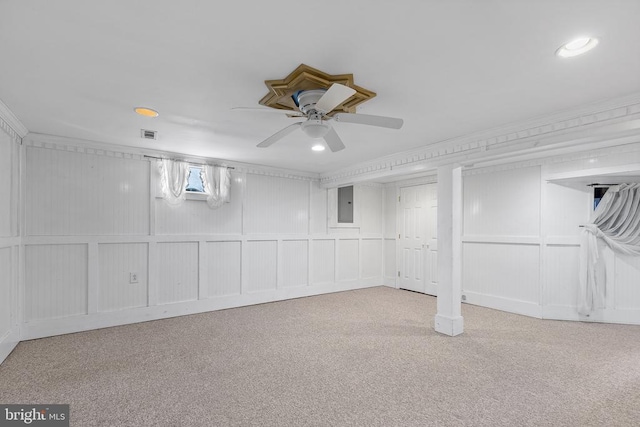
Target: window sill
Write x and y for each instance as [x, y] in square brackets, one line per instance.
[192, 195]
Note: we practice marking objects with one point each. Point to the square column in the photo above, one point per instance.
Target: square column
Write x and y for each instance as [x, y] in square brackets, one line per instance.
[449, 320]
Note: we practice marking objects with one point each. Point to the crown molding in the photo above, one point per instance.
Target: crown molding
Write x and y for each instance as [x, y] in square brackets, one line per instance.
[53, 142]
[630, 151]
[10, 120]
[593, 123]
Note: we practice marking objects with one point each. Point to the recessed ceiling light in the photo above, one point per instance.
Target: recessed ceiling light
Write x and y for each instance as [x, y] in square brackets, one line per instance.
[318, 147]
[577, 47]
[147, 112]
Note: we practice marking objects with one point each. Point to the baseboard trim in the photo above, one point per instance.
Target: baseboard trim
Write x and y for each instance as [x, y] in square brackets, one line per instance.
[560, 312]
[51, 327]
[390, 282]
[8, 343]
[509, 305]
[627, 317]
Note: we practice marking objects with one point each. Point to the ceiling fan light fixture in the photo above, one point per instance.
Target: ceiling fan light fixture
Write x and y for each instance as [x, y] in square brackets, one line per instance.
[318, 147]
[315, 128]
[147, 112]
[577, 47]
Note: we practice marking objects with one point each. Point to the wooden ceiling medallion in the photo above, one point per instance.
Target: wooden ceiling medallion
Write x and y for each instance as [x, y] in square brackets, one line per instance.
[308, 78]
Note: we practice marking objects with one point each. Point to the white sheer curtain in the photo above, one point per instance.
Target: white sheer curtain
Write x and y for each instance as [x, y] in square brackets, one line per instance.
[217, 185]
[616, 221]
[173, 180]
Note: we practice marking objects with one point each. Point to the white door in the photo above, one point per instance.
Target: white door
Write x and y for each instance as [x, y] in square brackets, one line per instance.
[417, 238]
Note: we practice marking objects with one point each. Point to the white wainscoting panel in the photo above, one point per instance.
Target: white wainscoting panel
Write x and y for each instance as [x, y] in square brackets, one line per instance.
[390, 209]
[177, 272]
[371, 209]
[371, 258]
[224, 267]
[562, 278]
[390, 270]
[196, 217]
[348, 256]
[503, 203]
[510, 271]
[70, 193]
[55, 281]
[6, 158]
[259, 265]
[276, 205]
[627, 283]
[6, 286]
[295, 262]
[318, 211]
[116, 262]
[323, 261]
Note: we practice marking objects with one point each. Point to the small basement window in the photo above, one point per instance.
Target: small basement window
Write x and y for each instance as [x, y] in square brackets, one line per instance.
[598, 194]
[194, 183]
[345, 205]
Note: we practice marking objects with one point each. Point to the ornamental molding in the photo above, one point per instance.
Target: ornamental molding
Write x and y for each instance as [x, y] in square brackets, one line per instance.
[52, 142]
[599, 121]
[305, 77]
[9, 131]
[275, 172]
[630, 149]
[10, 123]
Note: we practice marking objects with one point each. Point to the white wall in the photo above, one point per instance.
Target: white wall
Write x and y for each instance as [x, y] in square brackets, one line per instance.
[93, 217]
[501, 240]
[521, 242]
[9, 240]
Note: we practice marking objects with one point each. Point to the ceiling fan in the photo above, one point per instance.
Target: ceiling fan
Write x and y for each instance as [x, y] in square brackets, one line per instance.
[315, 105]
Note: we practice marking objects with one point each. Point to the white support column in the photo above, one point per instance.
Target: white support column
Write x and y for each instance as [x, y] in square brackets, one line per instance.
[449, 320]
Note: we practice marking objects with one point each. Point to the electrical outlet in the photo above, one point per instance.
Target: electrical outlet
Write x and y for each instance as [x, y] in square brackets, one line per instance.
[133, 277]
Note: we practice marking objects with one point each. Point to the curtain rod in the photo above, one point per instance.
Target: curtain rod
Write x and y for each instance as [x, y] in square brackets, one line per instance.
[193, 163]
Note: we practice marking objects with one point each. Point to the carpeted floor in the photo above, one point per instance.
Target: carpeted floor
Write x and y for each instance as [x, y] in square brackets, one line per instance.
[360, 358]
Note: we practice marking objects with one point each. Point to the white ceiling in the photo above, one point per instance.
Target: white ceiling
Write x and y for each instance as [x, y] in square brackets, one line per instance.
[448, 68]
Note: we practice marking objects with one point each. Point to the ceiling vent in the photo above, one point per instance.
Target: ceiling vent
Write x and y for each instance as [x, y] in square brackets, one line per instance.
[149, 134]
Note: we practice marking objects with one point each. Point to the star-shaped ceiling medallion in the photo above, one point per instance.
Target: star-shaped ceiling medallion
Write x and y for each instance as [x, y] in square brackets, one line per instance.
[308, 78]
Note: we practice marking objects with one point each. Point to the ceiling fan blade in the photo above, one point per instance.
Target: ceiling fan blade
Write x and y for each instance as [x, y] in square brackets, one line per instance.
[366, 119]
[333, 141]
[279, 135]
[335, 96]
[289, 113]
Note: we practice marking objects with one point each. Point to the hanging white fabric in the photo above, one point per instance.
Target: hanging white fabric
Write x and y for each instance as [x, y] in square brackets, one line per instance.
[173, 180]
[616, 221]
[217, 184]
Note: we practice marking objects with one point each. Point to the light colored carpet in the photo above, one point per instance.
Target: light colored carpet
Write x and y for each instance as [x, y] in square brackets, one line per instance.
[360, 358]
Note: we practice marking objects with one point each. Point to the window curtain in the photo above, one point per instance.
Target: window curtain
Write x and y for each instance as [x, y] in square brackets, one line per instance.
[217, 185]
[173, 180]
[616, 222]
